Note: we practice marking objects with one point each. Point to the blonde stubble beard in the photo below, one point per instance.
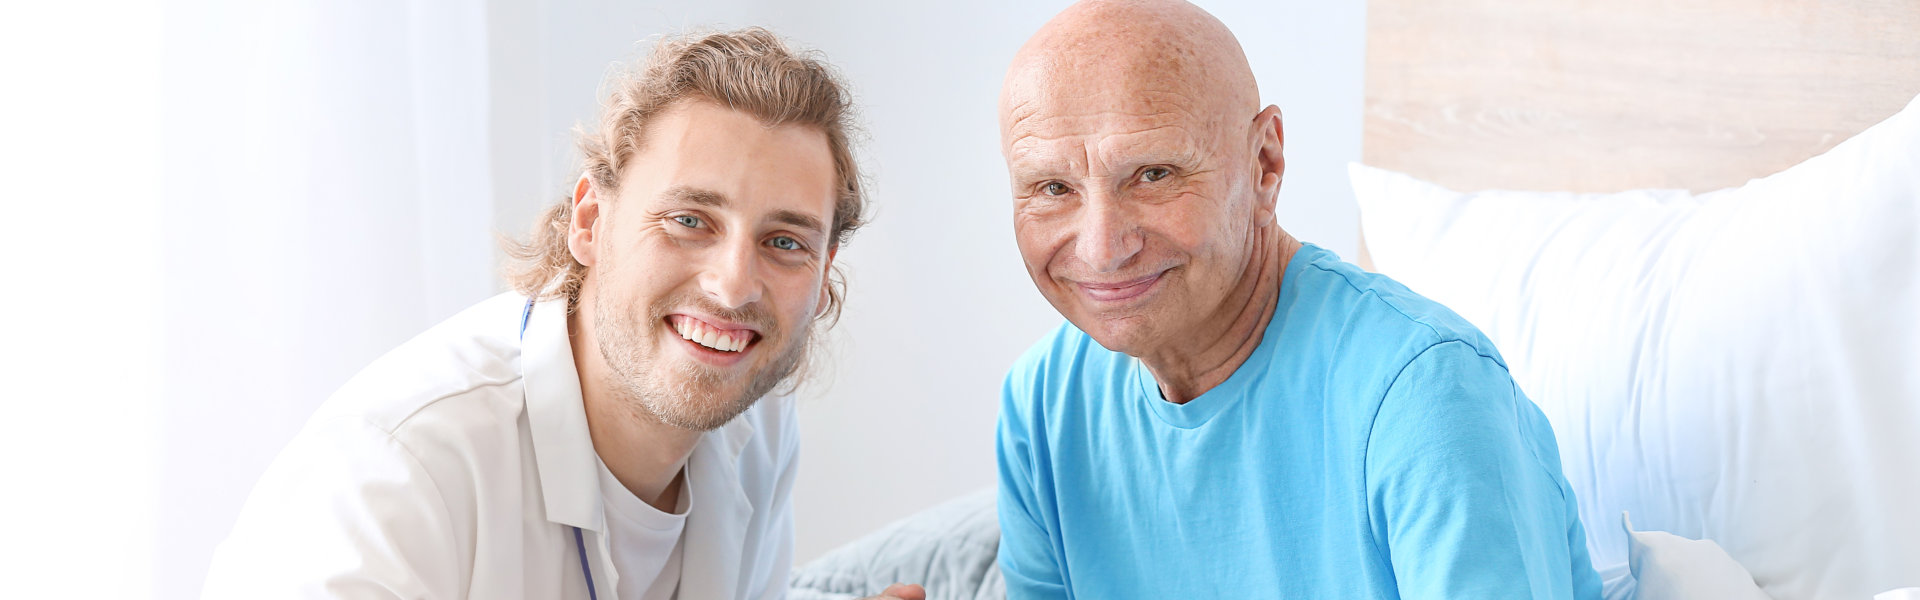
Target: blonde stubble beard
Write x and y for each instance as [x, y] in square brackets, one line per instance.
[694, 402]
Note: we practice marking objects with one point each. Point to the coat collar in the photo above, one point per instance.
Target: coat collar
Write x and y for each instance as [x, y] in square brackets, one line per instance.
[570, 483]
[557, 418]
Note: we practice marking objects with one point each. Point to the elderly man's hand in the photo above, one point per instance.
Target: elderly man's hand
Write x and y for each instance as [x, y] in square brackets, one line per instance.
[901, 591]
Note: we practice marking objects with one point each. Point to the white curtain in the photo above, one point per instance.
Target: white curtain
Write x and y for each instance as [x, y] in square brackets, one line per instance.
[221, 210]
[327, 197]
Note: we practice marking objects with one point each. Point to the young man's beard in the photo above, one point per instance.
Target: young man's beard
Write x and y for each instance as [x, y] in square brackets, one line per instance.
[686, 394]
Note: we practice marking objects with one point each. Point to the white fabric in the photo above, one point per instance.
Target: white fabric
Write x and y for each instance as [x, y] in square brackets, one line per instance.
[645, 541]
[1742, 365]
[457, 465]
[1670, 567]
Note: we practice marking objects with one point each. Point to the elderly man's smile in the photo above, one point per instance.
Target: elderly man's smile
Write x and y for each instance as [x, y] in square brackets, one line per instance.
[1120, 291]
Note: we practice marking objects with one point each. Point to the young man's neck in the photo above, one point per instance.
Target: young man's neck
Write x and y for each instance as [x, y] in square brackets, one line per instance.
[645, 454]
[1187, 370]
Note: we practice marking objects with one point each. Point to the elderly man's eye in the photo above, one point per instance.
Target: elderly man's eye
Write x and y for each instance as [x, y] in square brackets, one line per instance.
[690, 221]
[1155, 174]
[1053, 188]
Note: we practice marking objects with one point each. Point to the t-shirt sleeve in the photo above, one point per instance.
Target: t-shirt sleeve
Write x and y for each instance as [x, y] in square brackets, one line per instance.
[1458, 493]
[1028, 559]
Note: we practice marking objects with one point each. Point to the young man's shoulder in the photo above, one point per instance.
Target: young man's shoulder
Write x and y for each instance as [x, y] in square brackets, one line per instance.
[461, 374]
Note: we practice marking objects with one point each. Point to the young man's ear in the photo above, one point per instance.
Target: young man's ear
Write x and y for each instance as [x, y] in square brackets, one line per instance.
[580, 228]
[1269, 141]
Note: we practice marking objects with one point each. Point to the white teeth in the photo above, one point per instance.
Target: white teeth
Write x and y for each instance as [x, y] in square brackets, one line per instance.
[702, 334]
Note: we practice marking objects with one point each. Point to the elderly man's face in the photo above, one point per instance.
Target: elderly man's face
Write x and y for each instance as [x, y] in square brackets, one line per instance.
[1134, 205]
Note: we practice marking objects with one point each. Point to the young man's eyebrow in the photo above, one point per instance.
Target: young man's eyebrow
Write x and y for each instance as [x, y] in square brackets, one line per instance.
[800, 220]
[693, 195]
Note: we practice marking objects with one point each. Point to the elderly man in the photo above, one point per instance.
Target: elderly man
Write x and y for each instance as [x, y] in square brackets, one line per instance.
[600, 432]
[1231, 412]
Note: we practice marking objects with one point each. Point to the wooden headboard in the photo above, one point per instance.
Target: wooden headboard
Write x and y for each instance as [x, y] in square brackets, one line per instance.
[1600, 96]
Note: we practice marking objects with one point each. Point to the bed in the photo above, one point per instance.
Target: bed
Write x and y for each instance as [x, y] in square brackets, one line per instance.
[1713, 291]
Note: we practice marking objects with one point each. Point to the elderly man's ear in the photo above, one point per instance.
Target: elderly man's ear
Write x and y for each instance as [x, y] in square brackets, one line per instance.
[1269, 139]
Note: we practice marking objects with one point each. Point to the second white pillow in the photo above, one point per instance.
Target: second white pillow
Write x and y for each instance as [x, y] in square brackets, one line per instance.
[1742, 365]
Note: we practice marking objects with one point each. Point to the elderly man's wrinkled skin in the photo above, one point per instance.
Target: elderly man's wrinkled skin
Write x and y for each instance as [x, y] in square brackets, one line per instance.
[1144, 179]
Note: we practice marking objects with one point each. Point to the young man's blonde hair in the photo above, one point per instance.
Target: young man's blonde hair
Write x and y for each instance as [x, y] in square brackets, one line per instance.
[749, 70]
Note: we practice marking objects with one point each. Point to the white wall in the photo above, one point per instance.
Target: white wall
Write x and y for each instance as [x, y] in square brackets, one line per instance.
[939, 304]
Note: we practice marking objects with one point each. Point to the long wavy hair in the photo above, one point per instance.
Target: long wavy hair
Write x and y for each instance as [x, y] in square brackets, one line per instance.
[749, 70]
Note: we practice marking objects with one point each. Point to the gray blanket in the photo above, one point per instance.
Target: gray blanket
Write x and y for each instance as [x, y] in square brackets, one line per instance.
[949, 549]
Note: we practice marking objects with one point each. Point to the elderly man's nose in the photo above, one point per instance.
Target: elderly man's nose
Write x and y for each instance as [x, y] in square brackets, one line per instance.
[1107, 238]
[731, 278]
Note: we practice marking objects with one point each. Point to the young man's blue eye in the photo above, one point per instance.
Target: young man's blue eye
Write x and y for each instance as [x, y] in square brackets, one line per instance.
[688, 220]
[785, 243]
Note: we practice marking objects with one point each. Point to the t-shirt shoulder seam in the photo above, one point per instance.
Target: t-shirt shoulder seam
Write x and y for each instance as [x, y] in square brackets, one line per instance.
[1373, 421]
[1373, 294]
[1366, 449]
[1366, 475]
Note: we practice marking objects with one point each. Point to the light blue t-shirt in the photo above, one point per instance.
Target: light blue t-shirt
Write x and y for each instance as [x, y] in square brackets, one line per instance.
[1373, 446]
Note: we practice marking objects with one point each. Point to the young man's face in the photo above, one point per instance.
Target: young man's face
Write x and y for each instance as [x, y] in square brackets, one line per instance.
[708, 268]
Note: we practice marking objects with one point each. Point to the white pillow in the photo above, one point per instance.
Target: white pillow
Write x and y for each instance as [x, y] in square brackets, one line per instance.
[1741, 365]
[1670, 567]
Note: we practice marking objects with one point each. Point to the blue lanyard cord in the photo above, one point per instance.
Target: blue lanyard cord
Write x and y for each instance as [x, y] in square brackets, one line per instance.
[579, 541]
[581, 545]
[525, 314]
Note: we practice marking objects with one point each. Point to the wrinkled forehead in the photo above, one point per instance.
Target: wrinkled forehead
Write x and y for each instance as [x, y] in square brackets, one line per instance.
[1053, 112]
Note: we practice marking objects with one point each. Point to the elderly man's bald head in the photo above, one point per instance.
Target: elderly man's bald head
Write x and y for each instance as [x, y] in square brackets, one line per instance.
[1150, 51]
[1144, 176]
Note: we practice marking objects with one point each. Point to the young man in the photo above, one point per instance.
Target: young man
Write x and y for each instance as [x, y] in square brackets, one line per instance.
[1232, 413]
[605, 431]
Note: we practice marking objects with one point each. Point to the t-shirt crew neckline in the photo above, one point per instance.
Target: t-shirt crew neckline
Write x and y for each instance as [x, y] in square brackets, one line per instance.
[622, 504]
[1198, 411]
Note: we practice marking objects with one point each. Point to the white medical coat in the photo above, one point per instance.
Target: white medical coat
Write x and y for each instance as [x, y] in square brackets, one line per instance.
[456, 466]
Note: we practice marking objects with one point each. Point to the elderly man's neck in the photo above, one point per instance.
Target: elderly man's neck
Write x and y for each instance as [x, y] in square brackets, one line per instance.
[1191, 365]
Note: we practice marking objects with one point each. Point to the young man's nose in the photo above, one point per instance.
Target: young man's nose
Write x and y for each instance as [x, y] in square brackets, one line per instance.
[732, 276]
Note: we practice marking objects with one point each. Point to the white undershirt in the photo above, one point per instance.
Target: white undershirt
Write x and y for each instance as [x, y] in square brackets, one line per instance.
[645, 541]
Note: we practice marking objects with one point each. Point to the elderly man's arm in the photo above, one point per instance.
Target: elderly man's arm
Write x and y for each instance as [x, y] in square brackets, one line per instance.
[1464, 486]
[1028, 561]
